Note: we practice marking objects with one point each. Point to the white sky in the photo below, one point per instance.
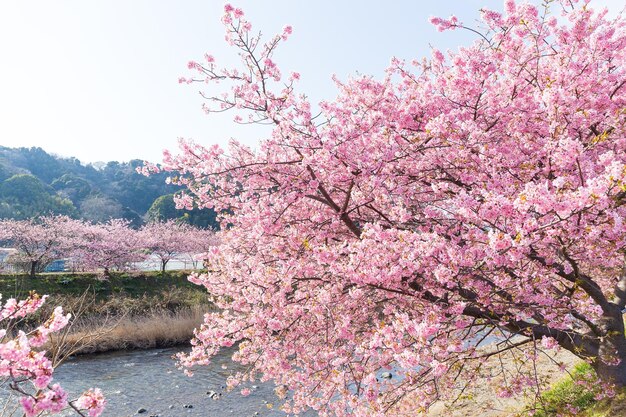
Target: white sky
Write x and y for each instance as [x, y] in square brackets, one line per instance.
[97, 80]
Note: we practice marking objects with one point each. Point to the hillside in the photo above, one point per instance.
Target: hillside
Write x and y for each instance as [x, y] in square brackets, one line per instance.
[34, 182]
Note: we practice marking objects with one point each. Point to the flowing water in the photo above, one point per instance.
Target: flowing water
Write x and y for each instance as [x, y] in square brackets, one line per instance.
[150, 380]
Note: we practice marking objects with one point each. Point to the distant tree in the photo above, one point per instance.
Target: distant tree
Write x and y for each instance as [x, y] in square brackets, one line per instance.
[100, 209]
[40, 240]
[164, 208]
[203, 242]
[203, 218]
[72, 187]
[112, 245]
[134, 219]
[57, 205]
[170, 238]
[4, 173]
[6, 210]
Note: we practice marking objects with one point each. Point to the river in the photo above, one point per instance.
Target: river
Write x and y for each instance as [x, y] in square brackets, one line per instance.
[132, 380]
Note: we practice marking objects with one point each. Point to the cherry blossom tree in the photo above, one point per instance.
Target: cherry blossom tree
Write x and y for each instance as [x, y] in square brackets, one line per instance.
[203, 240]
[111, 245]
[170, 238]
[41, 240]
[28, 372]
[476, 195]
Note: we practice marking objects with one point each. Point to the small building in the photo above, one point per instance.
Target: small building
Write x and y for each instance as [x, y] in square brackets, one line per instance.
[58, 265]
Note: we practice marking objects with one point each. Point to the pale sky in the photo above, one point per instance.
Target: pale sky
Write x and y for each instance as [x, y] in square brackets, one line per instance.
[97, 80]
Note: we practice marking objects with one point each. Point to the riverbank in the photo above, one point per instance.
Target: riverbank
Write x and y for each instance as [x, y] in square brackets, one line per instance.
[133, 285]
[562, 376]
[124, 311]
[482, 398]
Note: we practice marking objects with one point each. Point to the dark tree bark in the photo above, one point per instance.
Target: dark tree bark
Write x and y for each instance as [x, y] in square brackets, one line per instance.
[33, 268]
[612, 348]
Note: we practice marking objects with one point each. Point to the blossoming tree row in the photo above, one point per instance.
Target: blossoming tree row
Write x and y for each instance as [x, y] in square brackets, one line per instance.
[112, 245]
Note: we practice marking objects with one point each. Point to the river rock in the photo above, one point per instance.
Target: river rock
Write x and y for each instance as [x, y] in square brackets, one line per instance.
[187, 406]
[386, 375]
[141, 410]
[213, 395]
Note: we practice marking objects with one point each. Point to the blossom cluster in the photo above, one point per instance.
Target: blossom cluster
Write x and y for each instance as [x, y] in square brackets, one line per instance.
[28, 371]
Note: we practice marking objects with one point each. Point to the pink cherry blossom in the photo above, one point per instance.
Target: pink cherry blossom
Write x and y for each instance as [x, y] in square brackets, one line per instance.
[28, 371]
[113, 245]
[93, 401]
[479, 194]
[39, 240]
[167, 239]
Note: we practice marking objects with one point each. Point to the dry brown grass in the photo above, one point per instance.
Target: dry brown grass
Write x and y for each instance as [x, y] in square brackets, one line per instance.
[159, 328]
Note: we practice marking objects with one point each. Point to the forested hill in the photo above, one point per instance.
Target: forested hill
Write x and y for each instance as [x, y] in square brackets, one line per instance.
[34, 182]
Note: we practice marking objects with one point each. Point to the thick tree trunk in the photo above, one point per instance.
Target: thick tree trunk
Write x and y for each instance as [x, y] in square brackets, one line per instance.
[163, 264]
[33, 268]
[610, 364]
[615, 374]
[612, 372]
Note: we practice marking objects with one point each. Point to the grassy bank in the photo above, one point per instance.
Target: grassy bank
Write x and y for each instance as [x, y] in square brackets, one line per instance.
[124, 311]
[120, 294]
[571, 396]
[128, 284]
